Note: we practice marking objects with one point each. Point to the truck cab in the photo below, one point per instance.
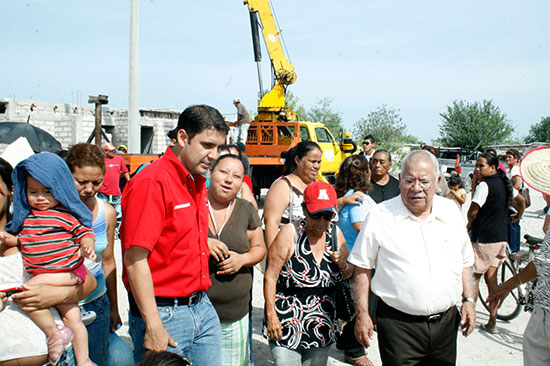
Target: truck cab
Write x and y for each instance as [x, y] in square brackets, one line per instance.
[268, 140]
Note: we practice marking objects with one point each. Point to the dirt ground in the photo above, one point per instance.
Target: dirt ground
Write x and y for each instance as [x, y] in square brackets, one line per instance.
[480, 348]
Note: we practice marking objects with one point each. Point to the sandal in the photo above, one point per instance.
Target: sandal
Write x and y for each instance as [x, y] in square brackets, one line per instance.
[359, 361]
[58, 343]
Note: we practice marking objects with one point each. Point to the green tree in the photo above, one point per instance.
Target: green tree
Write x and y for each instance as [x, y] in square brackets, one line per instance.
[322, 112]
[387, 127]
[539, 132]
[469, 124]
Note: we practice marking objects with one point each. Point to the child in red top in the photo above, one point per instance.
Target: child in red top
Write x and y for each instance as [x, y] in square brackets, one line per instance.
[53, 240]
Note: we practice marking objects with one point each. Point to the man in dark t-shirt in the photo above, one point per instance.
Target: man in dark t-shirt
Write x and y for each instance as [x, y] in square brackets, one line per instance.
[384, 185]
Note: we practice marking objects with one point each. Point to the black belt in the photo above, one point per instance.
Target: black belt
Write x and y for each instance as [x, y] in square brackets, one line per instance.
[190, 300]
[394, 313]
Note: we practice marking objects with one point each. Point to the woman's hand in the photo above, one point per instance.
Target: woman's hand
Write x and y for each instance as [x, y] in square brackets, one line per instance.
[115, 321]
[355, 198]
[218, 250]
[274, 329]
[231, 264]
[35, 297]
[498, 295]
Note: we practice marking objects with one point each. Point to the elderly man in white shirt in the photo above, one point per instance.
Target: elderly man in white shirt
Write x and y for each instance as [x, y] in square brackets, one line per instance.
[423, 258]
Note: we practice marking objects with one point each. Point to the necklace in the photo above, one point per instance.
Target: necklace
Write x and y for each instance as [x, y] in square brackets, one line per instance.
[219, 233]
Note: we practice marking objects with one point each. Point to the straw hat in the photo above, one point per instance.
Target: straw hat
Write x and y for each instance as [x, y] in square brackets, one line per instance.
[535, 169]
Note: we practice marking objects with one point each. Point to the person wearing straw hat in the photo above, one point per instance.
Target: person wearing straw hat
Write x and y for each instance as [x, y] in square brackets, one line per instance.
[535, 171]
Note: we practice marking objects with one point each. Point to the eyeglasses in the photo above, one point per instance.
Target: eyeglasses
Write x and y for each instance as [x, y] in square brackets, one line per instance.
[327, 215]
[409, 182]
[366, 142]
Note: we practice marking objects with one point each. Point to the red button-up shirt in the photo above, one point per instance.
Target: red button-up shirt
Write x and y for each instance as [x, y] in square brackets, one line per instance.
[165, 210]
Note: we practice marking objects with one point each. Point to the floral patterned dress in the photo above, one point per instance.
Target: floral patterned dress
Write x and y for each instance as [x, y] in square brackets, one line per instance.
[305, 295]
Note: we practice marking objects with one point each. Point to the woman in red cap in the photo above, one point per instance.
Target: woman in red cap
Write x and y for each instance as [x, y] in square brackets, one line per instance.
[305, 262]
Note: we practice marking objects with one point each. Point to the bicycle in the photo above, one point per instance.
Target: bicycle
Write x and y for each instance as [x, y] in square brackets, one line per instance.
[521, 296]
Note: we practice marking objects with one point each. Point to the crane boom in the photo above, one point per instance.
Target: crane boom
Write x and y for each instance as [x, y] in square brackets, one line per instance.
[282, 68]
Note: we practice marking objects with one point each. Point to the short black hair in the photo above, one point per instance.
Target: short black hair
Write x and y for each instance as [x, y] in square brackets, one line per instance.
[384, 152]
[197, 118]
[371, 138]
[173, 134]
[455, 180]
[227, 156]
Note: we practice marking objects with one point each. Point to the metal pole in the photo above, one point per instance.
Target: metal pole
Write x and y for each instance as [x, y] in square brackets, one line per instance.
[133, 88]
[260, 79]
[98, 125]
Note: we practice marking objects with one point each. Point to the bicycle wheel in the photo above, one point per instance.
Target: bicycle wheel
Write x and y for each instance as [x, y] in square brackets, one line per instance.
[511, 306]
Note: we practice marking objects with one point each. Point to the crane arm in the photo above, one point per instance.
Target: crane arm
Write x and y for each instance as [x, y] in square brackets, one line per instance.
[282, 68]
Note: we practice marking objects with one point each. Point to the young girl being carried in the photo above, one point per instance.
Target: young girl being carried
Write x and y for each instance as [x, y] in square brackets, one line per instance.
[53, 228]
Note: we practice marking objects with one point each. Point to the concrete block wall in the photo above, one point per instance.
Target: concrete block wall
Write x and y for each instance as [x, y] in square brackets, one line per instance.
[70, 123]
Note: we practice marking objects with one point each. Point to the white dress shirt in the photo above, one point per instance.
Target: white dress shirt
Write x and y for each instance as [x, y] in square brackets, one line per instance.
[418, 263]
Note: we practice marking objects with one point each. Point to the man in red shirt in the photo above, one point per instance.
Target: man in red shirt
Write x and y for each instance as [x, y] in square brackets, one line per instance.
[164, 242]
[114, 168]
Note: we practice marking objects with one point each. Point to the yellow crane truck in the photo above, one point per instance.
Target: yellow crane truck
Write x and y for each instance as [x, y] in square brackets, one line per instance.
[276, 128]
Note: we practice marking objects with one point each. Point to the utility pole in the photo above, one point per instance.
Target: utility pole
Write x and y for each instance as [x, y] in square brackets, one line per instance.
[99, 101]
[133, 87]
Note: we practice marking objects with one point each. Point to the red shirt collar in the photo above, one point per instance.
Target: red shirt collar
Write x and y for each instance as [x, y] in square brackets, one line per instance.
[180, 170]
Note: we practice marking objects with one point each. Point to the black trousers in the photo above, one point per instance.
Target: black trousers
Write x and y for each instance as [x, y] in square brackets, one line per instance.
[407, 340]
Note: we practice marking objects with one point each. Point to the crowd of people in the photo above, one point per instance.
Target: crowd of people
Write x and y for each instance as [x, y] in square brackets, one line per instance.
[191, 235]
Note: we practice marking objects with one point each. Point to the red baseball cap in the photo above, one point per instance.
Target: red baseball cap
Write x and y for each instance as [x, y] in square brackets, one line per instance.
[320, 196]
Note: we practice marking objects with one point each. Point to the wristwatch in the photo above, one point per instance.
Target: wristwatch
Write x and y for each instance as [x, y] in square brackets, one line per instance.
[468, 299]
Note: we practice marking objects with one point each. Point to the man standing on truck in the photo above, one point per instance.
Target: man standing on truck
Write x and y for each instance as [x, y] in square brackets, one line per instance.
[114, 168]
[243, 122]
[164, 238]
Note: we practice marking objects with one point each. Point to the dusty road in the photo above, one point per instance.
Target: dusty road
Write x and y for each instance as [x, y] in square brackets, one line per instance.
[480, 348]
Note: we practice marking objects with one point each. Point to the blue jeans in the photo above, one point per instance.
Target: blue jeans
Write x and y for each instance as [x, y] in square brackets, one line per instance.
[196, 329]
[112, 200]
[98, 331]
[514, 236]
[299, 357]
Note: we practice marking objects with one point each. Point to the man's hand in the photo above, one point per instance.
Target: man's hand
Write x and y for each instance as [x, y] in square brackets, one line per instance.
[115, 322]
[157, 339]
[218, 250]
[3, 299]
[364, 329]
[467, 318]
[231, 264]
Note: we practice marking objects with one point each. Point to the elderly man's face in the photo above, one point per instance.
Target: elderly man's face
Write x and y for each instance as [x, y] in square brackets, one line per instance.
[418, 185]
[380, 164]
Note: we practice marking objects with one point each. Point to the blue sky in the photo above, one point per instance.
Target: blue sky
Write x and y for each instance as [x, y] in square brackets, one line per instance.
[414, 56]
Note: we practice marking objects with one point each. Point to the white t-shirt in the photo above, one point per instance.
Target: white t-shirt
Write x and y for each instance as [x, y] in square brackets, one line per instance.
[513, 172]
[19, 336]
[482, 192]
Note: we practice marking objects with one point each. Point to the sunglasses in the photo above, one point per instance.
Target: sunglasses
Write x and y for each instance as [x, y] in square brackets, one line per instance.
[366, 142]
[327, 215]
